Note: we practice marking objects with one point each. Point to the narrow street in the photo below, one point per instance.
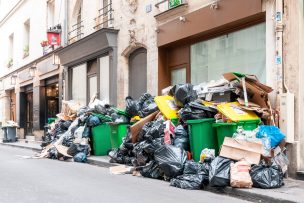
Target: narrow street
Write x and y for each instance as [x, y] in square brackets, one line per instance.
[44, 180]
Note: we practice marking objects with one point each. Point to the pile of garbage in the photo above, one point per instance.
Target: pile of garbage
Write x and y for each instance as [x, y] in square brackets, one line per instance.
[71, 134]
[238, 145]
[159, 144]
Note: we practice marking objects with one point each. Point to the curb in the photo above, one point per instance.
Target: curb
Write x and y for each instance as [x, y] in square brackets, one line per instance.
[90, 161]
[101, 163]
[22, 147]
[247, 195]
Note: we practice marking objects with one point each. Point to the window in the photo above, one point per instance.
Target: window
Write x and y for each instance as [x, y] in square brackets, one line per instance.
[241, 51]
[104, 78]
[26, 40]
[50, 14]
[10, 50]
[178, 76]
[92, 79]
[79, 87]
[85, 81]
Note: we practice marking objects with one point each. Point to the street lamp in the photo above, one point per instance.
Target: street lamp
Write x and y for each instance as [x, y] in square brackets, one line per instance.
[32, 71]
[13, 79]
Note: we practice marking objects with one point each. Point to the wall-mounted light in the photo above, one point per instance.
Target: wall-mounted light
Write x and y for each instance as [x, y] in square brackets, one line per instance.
[32, 70]
[13, 79]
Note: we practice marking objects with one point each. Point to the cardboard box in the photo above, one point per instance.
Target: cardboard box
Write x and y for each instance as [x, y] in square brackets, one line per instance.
[241, 150]
[258, 91]
[136, 128]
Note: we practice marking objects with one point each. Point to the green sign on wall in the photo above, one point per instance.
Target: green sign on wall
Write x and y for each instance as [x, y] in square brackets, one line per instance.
[174, 3]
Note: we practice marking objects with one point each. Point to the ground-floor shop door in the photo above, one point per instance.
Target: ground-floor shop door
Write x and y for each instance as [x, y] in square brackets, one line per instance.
[29, 113]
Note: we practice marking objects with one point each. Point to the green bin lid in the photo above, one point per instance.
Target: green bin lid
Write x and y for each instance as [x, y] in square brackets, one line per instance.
[200, 120]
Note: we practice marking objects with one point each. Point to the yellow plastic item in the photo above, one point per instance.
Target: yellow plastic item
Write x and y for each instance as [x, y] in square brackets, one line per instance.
[167, 106]
[233, 112]
[206, 103]
[136, 118]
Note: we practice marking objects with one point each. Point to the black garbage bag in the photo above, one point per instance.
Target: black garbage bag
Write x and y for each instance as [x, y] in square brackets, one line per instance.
[192, 167]
[195, 110]
[80, 157]
[131, 107]
[116, 157]
[195, 176]
[52, 153]
[219, 174]
[151, 146]
[142, 157]
[64, 125]
[152, 130]
[171, 160]
[86, 132]
[76, 148]
[68, 140]
[188, 181]
[119, 118]
[147, 110]
[181, 138]
[183, 94]
[151, 170]
[267, 177]
[47, 139]
[146, 105]
[93, 121]
[83, 110]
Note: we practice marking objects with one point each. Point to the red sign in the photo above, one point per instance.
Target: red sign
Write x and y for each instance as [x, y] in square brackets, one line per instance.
[53, 38]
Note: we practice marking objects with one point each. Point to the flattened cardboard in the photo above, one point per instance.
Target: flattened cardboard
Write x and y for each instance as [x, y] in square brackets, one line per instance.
[241, 150]
[258, 90]
[136, 128]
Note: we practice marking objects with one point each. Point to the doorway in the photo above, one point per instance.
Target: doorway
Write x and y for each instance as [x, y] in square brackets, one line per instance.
[138, 73]
[52, 101]
[12, 98]
[29, 114]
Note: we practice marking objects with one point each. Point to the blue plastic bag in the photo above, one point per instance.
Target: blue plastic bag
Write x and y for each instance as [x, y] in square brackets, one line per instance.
[271, 132]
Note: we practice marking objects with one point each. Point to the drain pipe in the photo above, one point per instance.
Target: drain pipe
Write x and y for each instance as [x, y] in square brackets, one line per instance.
[66, 21]
[279, 44]
[286, 99]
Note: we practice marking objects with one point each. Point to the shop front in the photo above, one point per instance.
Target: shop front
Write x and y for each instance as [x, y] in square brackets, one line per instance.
[90, 67]
[213, 41]
[37, 96]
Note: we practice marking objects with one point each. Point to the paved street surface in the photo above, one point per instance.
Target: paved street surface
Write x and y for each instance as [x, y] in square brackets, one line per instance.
[43, 180]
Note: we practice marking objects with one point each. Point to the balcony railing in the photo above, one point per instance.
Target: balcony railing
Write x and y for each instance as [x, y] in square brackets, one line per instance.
[76, 32]
[165, 5]
[105, 17]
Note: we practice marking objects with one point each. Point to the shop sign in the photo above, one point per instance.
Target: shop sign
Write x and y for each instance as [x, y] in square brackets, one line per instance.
[53, 38]
[174, 3]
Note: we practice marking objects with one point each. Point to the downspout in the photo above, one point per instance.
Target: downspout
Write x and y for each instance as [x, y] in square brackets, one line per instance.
[279, 46]
[66, 21]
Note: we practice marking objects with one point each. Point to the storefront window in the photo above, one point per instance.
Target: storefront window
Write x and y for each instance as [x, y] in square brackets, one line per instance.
[241, 51]
[104, 70]
[92, 86]
[79, 86]
[178, 76]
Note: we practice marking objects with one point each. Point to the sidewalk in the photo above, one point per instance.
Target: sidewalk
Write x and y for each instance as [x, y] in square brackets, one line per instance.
[292, 191]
